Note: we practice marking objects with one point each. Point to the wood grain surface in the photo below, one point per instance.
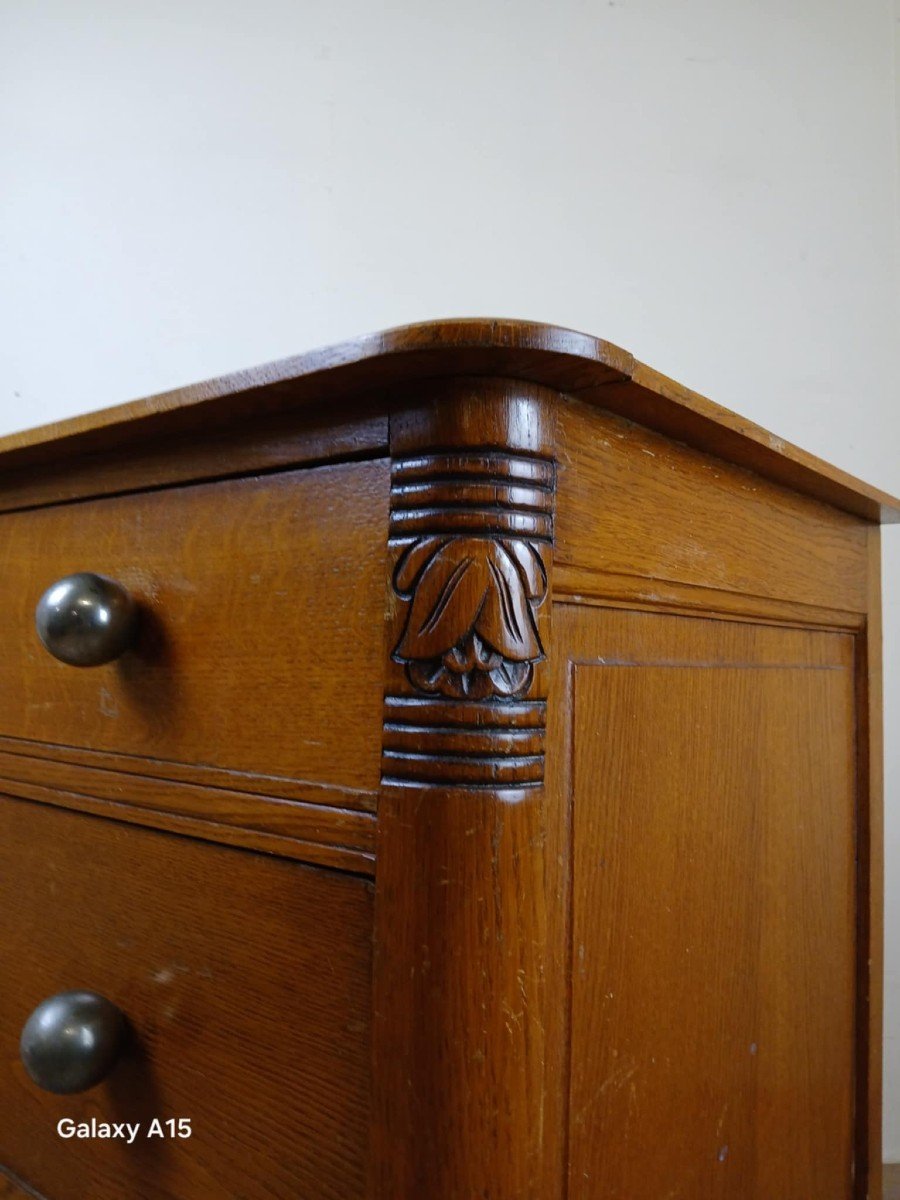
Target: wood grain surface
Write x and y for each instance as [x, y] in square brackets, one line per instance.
[262, 616]
[642, 507]
[597, 587]
[14, 1189]
[246, 982]
[465, 977]
[714, 936]
[870, 841]
[318, 832]
[596, 371]
[567, 679]
[255, 443]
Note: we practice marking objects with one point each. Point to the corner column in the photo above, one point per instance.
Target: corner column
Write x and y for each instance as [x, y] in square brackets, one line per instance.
[462, 1062]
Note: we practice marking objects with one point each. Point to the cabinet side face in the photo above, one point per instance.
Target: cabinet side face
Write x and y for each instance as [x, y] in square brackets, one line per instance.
[711, 781]
[870, 982]
[468, 1089]
[715, 770]
[640, 516]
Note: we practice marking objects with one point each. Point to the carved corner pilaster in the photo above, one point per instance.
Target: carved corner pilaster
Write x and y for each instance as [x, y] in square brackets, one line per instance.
[462, 1030]
[471, 539]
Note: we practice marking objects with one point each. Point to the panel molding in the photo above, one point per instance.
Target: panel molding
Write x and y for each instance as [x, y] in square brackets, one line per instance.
[326, 832]
[656, 640]
[283, 787]
[593, 587]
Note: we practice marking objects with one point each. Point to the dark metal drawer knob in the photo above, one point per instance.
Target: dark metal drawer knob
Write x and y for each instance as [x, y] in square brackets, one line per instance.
[86, 619]
[71, 1041]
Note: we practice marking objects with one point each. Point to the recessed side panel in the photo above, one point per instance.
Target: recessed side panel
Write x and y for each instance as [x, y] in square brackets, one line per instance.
[713, 769]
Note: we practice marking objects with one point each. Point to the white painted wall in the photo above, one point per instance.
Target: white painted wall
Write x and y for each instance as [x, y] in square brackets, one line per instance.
[188, 187]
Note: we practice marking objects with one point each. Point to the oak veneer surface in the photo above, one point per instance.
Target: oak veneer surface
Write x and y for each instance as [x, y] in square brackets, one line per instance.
[246, 982]
[12, 1189]
[870, 840]
[377, 364]
[714, 909]
[255, 443]
[667, 512]
[583, 669]
[134, 790]
[463, 968]
[258, 595]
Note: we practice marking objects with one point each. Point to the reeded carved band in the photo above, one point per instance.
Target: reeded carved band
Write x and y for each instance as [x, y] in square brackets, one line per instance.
[488, 493]
[471, 532]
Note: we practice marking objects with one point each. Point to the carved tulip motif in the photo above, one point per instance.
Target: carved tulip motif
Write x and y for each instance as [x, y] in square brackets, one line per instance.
[470, 630]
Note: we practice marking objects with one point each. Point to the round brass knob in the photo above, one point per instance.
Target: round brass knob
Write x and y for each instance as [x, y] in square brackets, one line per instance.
[86, 619]
[71, 1041]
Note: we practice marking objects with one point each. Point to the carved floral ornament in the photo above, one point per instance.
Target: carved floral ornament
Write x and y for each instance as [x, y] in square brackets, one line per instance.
[470, 629]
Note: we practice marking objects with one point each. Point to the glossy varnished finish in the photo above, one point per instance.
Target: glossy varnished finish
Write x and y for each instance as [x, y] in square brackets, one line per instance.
[315, 829]
[13, 1189]
[372, 366]
[245, 980]
[462, 977]
[252, 594]
[675, 515]
[257, 442]
[713, 908]
[870, 908]
[539, 710]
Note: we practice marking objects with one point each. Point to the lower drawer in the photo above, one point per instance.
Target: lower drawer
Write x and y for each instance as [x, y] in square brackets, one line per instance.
[246, 982]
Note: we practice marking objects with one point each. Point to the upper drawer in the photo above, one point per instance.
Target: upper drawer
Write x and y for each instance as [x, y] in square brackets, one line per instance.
[262, 621]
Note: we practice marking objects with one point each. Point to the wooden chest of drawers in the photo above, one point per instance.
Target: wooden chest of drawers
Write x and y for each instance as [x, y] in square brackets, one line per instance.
[479, 798]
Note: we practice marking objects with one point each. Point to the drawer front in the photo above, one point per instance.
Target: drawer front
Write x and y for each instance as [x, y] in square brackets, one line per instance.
[259, 646]
[246, 982]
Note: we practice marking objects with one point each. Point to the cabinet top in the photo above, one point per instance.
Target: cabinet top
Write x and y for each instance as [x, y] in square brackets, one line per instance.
[593, 370]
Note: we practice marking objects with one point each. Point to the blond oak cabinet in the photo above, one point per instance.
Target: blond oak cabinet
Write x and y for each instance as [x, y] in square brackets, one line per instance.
[446, 766]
